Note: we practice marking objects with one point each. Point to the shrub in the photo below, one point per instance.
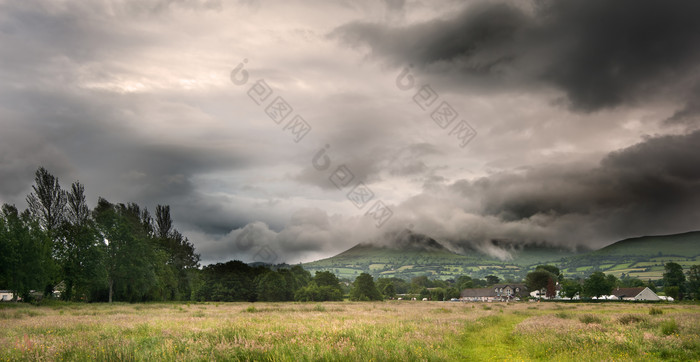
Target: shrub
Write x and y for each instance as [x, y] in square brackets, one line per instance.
[631, 318]
[589, 318]
[655, 311]
[563, 315]
[669, 327]
[251, 309]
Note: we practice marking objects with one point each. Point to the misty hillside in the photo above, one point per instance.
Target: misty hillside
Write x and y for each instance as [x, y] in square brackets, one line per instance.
[413, 255]
[642, 257]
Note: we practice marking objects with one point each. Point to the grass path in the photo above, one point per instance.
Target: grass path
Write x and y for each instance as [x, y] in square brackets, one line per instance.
[491, 338]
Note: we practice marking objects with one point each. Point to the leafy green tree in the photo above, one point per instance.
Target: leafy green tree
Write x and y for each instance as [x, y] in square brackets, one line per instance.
[47, 205]
[26, 250]
[389, 291]
[628, 282]
[79, 252]
[364, 288]
[492, 279]
[673, 292]
[674, 277]
[324, 286]
[400, 285]
[47, 202]
[569, 288]
[596, 285]
[538, 279]
[552, 269]
[272, 287]
[694, 282]
[301, 278]
[228, 282]
[130, 258]
[180, 257]
[452, 292]
[464, 282]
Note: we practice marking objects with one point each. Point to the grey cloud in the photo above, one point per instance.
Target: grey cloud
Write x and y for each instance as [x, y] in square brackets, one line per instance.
[601, 54]
[649, 188]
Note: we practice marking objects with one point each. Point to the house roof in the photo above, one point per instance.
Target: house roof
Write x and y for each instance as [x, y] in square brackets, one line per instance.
[521, 286]
[627, 292]
[477, 293]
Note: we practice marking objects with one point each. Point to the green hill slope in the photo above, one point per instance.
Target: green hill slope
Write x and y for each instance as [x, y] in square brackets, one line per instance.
[383, 261]
[642, 257]
[415, 255]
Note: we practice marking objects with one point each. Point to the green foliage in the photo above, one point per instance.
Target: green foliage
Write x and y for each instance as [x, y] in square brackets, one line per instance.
[674, 278]
[655, 311]
[550, 268]
[364, 289]
[673, 292]
[539, 279]
[590, 318]
[272, 287]
[669, 327]
[694, 282]
[492, 279]
[631, 318]
[597, 284]
[325, 286]
[26, 253]
[228, 282]
[569, 288]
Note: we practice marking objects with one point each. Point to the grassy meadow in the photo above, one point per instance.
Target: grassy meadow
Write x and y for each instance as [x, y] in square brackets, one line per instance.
[392, 330]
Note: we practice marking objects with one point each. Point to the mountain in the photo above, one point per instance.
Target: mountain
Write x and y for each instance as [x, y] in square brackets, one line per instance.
[409, 254]
[642, 257]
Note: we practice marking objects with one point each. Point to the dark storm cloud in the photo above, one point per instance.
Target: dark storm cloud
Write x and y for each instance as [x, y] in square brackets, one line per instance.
[600, 53]
[689, 115]
[649, 188]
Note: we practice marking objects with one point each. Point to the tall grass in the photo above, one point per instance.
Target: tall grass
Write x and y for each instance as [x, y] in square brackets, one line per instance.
[347, 331]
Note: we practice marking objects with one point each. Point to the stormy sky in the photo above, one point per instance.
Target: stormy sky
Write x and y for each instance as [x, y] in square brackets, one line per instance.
[293, 130]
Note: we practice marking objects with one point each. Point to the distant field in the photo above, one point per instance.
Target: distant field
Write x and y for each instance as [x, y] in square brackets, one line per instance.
[395, 330]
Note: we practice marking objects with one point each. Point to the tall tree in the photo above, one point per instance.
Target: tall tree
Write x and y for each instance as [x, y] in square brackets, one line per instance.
[694, 282]
[552, 269]
[364, 288]
[80, 254]
[674, 277]
[48, 201]
[164, 223]
[570, 288]
[597, 285]
[272, 287]
[539, 279]
[130, 257]
[26, 252]
[47, 204]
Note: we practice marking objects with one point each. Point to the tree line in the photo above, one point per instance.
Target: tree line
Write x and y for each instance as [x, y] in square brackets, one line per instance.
[112, 252]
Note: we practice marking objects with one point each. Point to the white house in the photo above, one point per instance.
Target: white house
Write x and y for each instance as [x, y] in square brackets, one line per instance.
[6, 295]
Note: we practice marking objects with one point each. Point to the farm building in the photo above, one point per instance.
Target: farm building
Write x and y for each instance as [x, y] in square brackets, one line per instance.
[6, 295]
[634, 294]
[499, 292]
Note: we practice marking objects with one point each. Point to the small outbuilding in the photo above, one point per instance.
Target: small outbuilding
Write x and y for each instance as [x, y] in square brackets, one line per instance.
[6, 295]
